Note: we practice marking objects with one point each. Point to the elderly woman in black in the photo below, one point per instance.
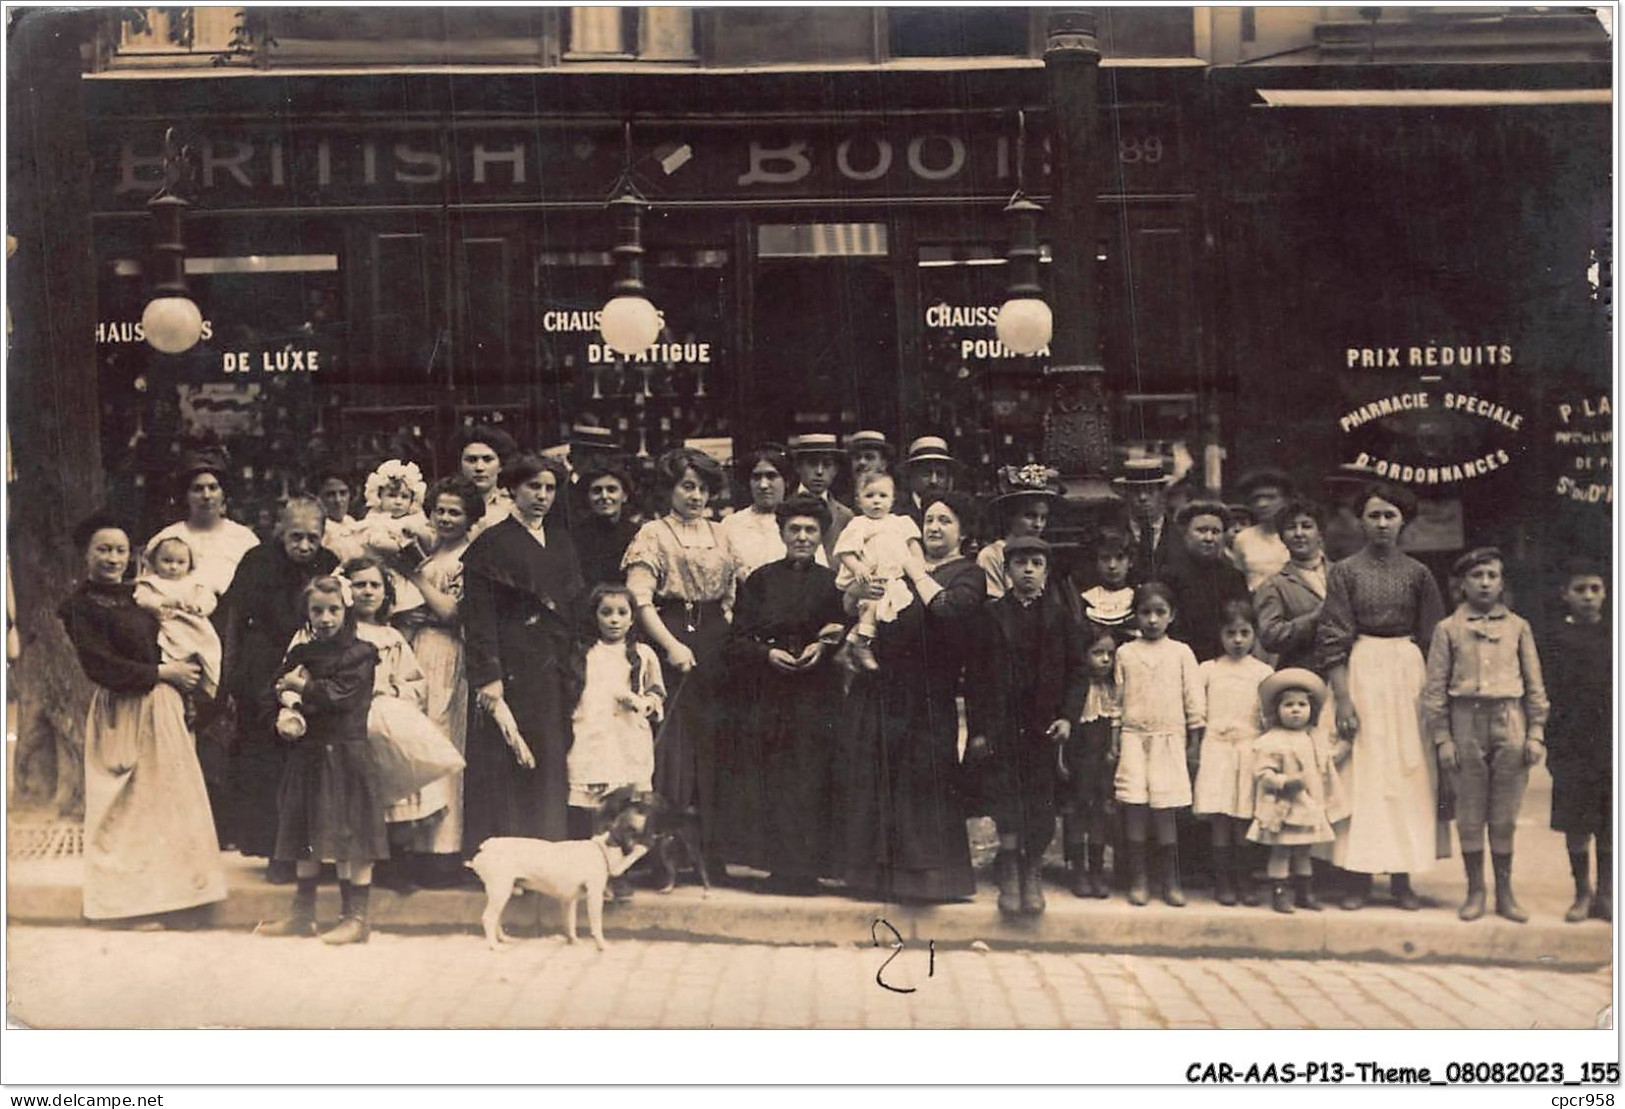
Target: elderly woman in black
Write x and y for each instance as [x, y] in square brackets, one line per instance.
[150, 846]
[902, 834]
[774, 763]
[520, 585]
[263, 611]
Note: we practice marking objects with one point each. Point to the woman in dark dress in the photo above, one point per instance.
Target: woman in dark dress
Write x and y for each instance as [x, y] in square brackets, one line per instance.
[602, 530]
[774, 763]
[520, 586]
[903, 822]
[263, 611]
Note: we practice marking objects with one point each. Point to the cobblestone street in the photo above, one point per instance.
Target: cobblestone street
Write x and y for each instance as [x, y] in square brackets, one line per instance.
[89, 977]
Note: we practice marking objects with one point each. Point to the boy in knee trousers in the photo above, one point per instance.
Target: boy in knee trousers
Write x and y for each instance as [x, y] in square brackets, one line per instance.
[1579, 654]
[1028, 689]
[1485, 706]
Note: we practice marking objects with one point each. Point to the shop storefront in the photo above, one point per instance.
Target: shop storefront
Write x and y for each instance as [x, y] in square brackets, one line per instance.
[1415, 273]
[374, 278]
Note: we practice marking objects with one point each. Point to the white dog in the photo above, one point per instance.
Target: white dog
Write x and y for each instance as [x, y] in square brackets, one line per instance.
[567, 871]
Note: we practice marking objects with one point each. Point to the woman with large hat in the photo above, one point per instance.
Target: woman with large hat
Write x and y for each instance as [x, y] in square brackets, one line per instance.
[1023, 503]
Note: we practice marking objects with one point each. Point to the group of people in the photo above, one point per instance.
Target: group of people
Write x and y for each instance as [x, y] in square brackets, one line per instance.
[494, 654]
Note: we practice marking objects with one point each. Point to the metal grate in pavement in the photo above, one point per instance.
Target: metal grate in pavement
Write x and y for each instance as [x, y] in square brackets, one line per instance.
[44, 841]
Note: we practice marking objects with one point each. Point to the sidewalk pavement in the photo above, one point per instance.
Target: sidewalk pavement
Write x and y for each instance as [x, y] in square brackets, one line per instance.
[47, 892]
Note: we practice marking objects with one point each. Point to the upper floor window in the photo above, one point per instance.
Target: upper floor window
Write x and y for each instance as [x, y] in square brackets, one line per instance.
[648, 34]
[170, 32]
[957, 32]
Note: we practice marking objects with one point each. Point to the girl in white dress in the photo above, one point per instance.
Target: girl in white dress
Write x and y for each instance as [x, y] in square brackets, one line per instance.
[1224, 776]
[622, 697]
[1164, 710]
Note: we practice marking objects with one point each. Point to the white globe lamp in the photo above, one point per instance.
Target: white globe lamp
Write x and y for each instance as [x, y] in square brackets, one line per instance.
[629, 324]
[172, 324]
[1025, 325]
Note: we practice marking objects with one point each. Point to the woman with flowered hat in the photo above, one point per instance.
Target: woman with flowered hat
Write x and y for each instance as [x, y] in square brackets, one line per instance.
[1023, 503]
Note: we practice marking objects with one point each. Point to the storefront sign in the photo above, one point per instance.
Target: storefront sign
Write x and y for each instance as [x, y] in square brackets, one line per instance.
[131, 331]
[316, 167]
[286, 360]
[1584, 440]
[1425, 434]
[567, 320]
[957, 317]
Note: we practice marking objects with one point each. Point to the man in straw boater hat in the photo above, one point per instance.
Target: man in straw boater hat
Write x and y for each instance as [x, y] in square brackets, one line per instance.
[818, 457]
[1143, 483]
[869, 452]
[929, 468]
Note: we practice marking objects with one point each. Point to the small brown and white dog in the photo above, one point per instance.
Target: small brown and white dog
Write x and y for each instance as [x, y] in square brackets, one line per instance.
[568, 871]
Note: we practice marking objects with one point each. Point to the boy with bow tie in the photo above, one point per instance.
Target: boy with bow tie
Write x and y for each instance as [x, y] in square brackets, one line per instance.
[1485, 707]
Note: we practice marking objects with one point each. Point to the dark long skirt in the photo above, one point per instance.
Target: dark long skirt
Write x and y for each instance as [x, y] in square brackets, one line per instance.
[899, 802]
[774, 759]
[502, 798]
[685, 761]
[327, 806]
[254, 773]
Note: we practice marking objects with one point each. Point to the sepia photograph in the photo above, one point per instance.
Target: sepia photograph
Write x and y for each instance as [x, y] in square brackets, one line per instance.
[814, 517]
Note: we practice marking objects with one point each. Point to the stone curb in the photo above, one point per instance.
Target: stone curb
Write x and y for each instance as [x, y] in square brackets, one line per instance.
[48, 893]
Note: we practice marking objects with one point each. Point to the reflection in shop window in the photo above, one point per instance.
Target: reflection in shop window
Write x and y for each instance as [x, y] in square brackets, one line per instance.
[176, 31]
[989, 398]
[679, 390]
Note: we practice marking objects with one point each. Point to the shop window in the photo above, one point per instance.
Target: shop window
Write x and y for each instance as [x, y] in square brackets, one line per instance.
[680, 390]
[821, 240]
[957, 32]
[273, 339]
[648, 34]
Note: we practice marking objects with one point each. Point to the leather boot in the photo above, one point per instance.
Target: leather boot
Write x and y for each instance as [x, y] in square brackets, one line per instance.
[1172, 892]
[1247, 890]
[1080, 881]
[1602, 905]
[1359, 892]
[1580, 867]
[301, 919]
[1304, 888]
[1224, 882]
[353, 928]
[1032, 884]
[1139, 887]
[1097, 871]
[1473, 907]
[1281, 897]
[1506, 903]
[1404, 896]
[1007, 870]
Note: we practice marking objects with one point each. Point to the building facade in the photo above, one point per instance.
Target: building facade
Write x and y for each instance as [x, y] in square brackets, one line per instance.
[1325, 236]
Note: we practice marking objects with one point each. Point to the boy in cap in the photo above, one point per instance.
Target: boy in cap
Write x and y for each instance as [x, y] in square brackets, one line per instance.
[1030, 684]
[1485, 706]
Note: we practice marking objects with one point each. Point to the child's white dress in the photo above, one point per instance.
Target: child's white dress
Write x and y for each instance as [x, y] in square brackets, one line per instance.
[183, 636]
[612, 746]
[1291, 756]
[1160, 690]
[1224, 778]
[1110, 608]
[384, 537]
[883, 546]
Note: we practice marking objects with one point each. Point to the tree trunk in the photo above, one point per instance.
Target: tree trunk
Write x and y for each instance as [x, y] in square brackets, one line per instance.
[55, 467]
